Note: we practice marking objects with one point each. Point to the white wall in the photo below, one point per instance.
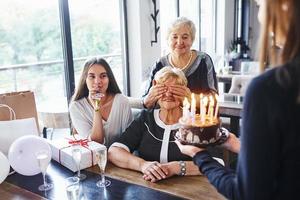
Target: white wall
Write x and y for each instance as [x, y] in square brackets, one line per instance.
[142, 55]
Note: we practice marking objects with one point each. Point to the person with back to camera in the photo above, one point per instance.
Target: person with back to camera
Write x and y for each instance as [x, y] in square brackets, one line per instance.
[196, 65]
[98, 110]
[269, 162]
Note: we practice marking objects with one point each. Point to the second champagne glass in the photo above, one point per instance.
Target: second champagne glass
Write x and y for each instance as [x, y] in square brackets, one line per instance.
[76, 154]
[101, 161]
[43, 157]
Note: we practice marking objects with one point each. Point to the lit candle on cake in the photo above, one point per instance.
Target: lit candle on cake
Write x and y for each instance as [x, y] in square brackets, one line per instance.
[211, 108]
[205, 102]
[202, 114]
[186, 107]
[193, 108]
[217, 107]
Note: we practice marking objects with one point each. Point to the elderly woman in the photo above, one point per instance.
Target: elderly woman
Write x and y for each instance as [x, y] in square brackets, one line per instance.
[98, 109]
[197, 66]
[151, 135]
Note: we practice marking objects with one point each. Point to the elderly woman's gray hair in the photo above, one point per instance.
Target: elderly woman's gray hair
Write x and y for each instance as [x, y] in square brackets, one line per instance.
[181, 22]
[169, 72]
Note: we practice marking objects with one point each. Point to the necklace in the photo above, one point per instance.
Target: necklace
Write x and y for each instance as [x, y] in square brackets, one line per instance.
[188, 63]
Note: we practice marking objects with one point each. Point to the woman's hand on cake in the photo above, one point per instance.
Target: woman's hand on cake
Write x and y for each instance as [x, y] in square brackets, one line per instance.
[154, 171]
[188, 149]
[232, 144]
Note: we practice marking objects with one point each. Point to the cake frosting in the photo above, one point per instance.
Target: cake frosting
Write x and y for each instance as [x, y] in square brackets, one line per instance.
[199, 133]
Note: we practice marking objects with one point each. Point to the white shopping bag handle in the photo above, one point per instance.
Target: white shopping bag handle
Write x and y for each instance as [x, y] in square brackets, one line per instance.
[11, 111]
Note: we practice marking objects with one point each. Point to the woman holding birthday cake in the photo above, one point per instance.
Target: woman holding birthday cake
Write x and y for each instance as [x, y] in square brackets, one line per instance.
[268, 164]
[196, 65]
[98, 110]
[151, 136]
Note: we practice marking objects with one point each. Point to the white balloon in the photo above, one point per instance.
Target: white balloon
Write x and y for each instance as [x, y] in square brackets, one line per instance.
[22, 154]
[4, 167]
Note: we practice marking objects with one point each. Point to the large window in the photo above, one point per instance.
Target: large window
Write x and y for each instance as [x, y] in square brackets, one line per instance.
[31, 54]
[167, 15]
[201, 12]
[96, 34]
[208, 21]
[31, 51]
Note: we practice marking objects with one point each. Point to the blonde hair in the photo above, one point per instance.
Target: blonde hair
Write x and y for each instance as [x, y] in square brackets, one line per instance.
[181, 22]
[169, 72]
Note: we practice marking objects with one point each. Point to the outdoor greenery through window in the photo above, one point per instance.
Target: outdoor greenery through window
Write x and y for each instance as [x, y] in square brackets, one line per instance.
[31, 55]
[31, 49]
[95, 27]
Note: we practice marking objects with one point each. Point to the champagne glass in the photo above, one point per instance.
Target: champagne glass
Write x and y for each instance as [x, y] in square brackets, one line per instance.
[72, 188]
[101, 155]
[76, 154]
[43, 158]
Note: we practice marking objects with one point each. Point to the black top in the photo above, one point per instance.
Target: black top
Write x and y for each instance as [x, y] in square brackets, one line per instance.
[201, 74]
[151, 138]
[269, 159]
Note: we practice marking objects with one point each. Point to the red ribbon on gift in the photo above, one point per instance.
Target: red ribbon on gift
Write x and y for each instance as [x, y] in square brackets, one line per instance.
[81, 142]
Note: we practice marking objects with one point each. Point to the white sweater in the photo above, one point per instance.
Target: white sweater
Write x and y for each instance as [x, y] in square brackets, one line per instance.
[120, 116]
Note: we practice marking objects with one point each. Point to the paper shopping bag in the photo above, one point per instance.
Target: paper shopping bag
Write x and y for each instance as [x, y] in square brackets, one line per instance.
[13, 129]
[23, 104]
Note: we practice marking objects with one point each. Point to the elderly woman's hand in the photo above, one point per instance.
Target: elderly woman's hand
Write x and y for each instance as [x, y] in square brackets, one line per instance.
[171, 169]
[188, 149]
[156, 92]
[180, 91]
[153, 171]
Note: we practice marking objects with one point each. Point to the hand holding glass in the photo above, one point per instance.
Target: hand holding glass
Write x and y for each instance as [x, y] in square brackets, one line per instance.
[76, 154]
[101, 161]
[43, 158]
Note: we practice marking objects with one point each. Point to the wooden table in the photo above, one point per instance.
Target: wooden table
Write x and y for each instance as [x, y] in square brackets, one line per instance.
[126, 184]
[188, 187]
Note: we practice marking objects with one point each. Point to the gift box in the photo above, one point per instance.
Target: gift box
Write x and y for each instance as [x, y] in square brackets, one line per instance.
[62, 152]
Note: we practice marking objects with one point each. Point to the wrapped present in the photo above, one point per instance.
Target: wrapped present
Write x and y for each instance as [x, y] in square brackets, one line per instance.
[62, 152]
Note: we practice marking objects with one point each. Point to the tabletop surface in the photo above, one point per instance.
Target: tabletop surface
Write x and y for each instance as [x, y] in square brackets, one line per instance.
[126, 184]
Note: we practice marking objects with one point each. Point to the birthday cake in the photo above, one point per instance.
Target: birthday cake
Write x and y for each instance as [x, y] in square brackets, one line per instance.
[201, 129]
